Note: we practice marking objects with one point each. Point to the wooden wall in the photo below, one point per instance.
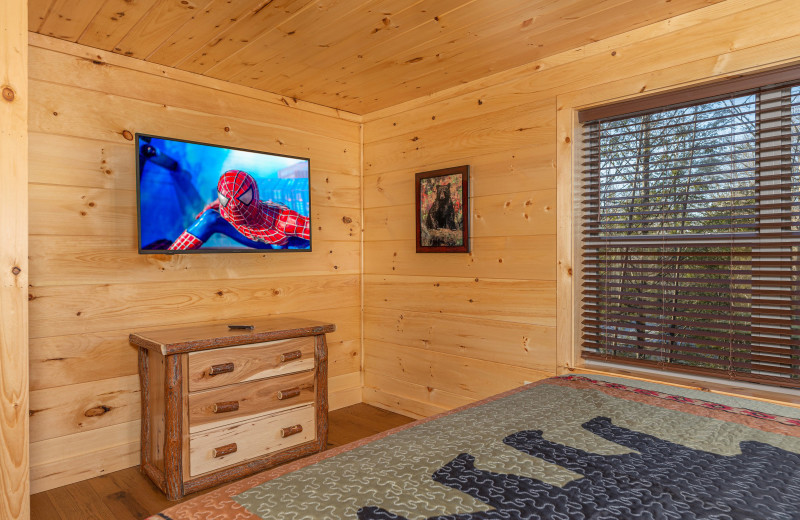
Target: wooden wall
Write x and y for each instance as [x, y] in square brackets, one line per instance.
[14, 103]
[442, 330]
[88, 286]
[439, 330]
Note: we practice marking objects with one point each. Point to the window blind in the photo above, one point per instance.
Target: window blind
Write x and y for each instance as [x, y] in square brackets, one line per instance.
[690, 236]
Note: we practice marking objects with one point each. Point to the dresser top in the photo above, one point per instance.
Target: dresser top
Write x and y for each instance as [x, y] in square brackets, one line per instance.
[192, 338]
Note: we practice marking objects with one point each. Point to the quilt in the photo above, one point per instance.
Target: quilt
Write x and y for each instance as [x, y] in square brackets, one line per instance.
[570, 447]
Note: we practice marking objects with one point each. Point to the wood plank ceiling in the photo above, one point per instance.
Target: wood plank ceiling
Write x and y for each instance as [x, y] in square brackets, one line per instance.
[354, 55]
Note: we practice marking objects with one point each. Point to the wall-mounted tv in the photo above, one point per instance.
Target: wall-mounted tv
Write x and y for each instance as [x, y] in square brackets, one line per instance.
[202, 198]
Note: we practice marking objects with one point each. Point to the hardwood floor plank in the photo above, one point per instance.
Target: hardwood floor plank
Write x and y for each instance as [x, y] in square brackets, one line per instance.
[79, 501]
[140, 490]
[359, 421]
[42, 507]
[118, 501]
[129, 495]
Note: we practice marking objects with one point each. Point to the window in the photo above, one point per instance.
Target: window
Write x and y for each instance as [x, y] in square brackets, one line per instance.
[690, 231]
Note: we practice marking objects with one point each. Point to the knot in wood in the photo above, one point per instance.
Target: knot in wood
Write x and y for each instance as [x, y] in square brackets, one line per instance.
[16, 270]
[8, 94]
[127, 135]
[97, 411]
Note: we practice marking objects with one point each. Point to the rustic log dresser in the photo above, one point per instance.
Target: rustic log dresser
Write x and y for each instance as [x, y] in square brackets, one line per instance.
[221, 403]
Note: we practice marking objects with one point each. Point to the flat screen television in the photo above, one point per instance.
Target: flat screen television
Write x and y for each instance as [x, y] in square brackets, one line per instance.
[202, 198]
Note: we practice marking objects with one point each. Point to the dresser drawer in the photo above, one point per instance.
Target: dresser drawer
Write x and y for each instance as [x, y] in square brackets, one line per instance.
[217, 448]
[225, 366]
[233, 403]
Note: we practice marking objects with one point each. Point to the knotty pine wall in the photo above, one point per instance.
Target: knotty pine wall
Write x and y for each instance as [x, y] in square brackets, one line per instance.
[443, 330]
[14, 483]
[88, 286]
[439, 330]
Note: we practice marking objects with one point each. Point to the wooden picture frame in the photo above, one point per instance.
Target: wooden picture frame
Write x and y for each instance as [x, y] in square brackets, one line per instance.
[442, 210]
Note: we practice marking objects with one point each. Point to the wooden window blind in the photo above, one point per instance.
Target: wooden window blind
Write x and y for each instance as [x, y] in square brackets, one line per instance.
[690, 231]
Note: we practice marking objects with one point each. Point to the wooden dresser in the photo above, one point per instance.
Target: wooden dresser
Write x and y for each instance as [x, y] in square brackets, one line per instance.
[219, 404]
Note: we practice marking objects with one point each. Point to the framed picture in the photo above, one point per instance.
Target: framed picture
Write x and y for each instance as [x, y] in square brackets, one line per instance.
[443, 210]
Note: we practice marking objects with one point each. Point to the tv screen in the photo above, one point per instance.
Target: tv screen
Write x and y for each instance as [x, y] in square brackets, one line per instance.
[202, 198]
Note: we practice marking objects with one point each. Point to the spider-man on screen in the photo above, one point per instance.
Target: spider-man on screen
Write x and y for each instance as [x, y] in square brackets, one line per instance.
[239, 211]
[195, 196]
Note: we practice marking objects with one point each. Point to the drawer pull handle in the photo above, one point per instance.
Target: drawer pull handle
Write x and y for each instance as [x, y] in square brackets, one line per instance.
[291, 430]
[288, 394]
[224, 450]
[220, 369]
[291, 356]
[226, 406]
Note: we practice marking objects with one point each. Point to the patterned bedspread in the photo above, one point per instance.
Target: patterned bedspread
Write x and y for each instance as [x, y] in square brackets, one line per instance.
[570, 447]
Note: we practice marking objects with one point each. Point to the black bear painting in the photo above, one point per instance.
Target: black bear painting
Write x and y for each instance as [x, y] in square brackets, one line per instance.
[441, 212]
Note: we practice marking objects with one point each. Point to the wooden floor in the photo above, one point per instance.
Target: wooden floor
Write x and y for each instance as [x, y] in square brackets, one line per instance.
[128, 495]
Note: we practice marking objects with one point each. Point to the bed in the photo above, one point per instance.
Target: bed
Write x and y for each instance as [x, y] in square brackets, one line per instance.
[570, 447]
